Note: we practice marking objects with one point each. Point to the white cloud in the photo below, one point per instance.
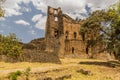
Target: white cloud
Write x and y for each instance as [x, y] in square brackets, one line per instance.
[40, 21]
[26, 1]
[22, 22]
[37, 17]
[12, 7]
[2, 19]
[100, 4]
[40, 5]
[41, 24]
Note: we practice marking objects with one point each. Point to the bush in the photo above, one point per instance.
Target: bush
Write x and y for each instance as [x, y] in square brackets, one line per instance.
[27, 73]
[10, 46]
[14, 75]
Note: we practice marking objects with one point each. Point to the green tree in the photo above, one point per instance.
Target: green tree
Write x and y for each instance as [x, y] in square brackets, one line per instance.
[1, 9]
[110, 35]
[115, 34]
[91, 27]
[10, 46]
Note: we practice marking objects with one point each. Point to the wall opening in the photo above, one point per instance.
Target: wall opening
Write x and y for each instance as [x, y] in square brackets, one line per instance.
[56, 19]
[73, 50]
[56, 33]
[55, 12]
[66, 34]
[75, 35]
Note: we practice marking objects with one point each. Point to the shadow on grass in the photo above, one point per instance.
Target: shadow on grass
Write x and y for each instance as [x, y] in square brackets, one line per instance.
[106, 64]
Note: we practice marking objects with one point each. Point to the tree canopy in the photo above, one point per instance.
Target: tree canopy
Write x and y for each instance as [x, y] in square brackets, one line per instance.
[1, 8]
[10, 46]
[94, 29]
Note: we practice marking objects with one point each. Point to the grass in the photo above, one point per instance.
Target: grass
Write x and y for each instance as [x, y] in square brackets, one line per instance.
[99, 72]
[98, 69]
[23, 65]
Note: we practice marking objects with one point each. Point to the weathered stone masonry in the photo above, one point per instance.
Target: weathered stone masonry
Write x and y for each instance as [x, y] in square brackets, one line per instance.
[62, 33]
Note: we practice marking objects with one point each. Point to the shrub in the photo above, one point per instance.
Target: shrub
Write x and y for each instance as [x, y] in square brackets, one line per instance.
[14, 75]
[10, 46]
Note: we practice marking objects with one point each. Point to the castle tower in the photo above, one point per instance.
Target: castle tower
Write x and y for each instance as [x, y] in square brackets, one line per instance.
[54, 27]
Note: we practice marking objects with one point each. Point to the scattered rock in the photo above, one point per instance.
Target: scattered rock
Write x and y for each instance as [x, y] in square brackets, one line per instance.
[58, 70]
[67, 76]
[44, 78]
[85, 72]
[112, 65]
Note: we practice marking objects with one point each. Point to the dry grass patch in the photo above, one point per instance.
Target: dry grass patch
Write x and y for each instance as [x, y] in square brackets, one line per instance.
[100, 69]
[23, 65]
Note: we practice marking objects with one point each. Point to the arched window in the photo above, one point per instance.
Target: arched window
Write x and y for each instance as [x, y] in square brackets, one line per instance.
[66, 34]
[56, 33]
[75, 35]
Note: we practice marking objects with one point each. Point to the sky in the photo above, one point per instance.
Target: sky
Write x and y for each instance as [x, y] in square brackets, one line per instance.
[27, 18]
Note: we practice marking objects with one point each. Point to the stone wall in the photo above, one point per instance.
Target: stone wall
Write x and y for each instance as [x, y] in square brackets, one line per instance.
[53, 27]
[73, 40]
[63, 31]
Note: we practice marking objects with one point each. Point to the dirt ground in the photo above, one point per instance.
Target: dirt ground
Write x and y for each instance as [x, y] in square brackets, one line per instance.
[69, 69]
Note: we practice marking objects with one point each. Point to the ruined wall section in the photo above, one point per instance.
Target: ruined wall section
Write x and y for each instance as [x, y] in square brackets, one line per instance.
[71, 28]
[73, 40]
[54, 28]
[62, 33]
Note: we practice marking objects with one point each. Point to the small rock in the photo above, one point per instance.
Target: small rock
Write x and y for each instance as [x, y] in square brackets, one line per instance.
[113, 65]
[85, 72]
[44, 78]
[67, 76]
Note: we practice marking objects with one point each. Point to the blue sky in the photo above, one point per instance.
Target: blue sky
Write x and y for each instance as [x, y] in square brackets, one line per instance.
[27, 18]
